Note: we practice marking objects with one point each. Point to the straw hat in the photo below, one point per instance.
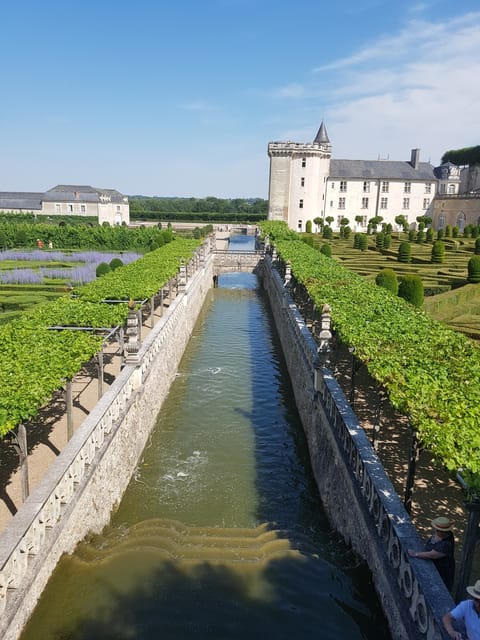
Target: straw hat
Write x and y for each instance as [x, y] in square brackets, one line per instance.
[442, 524]
[475, 590]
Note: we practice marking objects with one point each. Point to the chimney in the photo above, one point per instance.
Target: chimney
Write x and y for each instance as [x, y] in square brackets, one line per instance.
[415, 158]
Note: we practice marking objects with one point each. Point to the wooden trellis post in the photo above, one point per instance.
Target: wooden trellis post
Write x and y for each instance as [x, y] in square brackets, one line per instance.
[412, 466]
[21, 447]
[69, 403]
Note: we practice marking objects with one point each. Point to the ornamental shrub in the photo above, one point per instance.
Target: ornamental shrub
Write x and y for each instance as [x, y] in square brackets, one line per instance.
[102, 269]
[356, 241]
[440, 234]
[379, 240]
[387, 241]
[405, 252]
[438, 251]
[448, 231]
[411, 289]
[387, 278]
[363, 242]
[477, 247]
[327, 232]
[430, 234]
[308, 226]
[115, 263]
[420, 235]
[455, 232]
[326, 250]
[411, 235]
[474, 269]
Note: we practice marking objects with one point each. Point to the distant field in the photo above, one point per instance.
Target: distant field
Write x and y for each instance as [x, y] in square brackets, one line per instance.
[454, 302]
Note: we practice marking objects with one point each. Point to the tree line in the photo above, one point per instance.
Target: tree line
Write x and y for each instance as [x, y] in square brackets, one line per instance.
[169, 208]
[467, 155]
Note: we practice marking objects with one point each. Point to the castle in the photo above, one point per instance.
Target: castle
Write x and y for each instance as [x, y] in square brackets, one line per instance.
[307, 184]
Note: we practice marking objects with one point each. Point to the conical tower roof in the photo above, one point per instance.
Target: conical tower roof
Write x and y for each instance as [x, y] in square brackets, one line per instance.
[322, 135]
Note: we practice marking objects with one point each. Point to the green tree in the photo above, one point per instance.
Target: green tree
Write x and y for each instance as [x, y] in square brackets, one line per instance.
[363, 242]
[318, 223]
[438, 251]
[474, 269]
[410, 289]
[387, 278]
[102, 269]
[401, 221]
[405, 252]
[326, 250]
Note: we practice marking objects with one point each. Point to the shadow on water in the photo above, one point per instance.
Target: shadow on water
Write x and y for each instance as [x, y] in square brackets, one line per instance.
[221, 533]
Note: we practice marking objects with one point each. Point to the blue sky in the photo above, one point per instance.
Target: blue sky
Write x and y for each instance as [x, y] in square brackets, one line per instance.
[181, 97]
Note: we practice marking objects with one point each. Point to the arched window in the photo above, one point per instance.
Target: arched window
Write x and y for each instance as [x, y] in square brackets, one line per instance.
[451, 188]
[461, 219]
[441, 221]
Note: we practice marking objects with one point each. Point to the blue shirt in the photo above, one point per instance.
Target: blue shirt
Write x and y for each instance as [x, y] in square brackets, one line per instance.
[466, 611]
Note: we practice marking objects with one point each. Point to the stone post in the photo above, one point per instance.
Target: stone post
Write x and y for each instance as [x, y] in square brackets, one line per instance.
[182, 279]
[132, 345]
[288, 275]
[323, 350]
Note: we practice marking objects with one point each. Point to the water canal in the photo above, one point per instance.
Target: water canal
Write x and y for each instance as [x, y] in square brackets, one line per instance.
[221, 533]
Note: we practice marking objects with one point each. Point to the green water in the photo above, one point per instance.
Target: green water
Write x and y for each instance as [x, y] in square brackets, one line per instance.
[221, 533]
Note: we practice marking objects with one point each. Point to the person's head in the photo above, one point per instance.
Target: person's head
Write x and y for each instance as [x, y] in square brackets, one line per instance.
[474, 591]
[443, 526]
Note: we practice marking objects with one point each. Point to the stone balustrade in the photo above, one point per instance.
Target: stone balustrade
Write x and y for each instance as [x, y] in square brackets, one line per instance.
[90, 475]
[358, 496]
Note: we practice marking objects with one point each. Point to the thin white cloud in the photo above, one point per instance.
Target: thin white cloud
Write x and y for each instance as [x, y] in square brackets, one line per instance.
[417, 37]
[416, 88]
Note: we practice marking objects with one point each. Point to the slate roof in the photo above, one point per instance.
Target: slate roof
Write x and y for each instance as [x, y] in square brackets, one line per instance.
[322, 135]
[80, 193]
[380, 170]
[10, 200]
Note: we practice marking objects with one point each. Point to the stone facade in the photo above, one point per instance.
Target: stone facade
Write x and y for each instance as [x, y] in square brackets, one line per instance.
[107, 205]
[307, 183]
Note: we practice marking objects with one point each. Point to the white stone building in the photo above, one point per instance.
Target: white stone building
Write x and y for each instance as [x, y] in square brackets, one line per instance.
[307, 183]
[106, 205]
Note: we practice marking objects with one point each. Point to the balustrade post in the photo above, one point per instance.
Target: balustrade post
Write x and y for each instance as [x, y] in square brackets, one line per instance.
[182, 277]
[323, 350]
[132, 346]
[152, 311]
[288, 275]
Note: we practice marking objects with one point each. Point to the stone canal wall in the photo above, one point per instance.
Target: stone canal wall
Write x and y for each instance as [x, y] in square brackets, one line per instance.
[90, 476]
[358, 497]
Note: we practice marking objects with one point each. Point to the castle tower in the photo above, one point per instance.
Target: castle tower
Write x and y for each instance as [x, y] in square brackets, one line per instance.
[298, 174]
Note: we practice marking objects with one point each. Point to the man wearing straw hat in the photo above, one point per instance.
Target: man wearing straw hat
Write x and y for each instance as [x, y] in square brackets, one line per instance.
[468, 612]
